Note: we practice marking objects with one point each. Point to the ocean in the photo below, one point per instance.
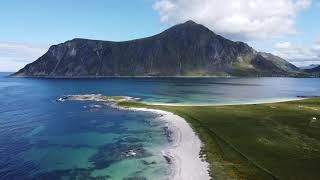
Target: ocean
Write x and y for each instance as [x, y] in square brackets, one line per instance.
[41, 138]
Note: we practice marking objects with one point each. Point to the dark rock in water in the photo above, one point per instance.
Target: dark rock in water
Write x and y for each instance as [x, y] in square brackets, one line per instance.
[111, 153]
[135, 178]
[168, 158]
[76, 173]
[168, 133]
[184, 49]
[148, 163]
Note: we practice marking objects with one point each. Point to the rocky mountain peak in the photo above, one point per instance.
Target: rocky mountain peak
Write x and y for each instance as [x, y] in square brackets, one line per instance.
[182, 50]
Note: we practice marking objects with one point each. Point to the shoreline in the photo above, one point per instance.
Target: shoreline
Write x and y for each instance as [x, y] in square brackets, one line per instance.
[102, 98]
[13, 75]
[184, 152]
[183, 155]
[227, 104]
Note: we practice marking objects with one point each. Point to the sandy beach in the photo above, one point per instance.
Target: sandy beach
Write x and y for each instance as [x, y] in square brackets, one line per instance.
[272, 100]
[184, 153]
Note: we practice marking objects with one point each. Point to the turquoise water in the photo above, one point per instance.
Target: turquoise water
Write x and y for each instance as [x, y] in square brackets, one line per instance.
[43, 139]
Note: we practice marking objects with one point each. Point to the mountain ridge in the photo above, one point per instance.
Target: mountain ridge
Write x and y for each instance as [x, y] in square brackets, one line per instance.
[187, 49]
[315, 71]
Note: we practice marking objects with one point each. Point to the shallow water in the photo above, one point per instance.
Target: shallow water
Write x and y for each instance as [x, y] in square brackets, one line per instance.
[43, 139]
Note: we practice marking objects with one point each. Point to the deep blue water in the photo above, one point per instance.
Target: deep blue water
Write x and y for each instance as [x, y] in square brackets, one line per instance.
[43, 139]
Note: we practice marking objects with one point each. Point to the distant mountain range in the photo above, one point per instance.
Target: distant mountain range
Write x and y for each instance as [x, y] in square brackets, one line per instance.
[187, 49]
[311, 66]
[315, 70]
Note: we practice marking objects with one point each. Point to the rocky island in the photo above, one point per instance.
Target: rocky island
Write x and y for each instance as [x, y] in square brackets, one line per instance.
[96, 97]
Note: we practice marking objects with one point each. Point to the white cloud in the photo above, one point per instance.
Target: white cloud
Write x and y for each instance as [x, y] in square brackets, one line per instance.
[14, 56]
[237, 19]
[318, 41]
[298, 54]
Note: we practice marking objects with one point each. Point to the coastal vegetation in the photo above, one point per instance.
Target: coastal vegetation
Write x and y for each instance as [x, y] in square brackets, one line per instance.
[258, 141]
[113, 98]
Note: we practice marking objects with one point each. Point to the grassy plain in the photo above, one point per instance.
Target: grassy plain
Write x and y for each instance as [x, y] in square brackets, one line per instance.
[259, 141]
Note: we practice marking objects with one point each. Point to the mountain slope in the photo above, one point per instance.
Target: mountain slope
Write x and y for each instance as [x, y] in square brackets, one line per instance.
[311, 66]
[184, 49]
[315, 72]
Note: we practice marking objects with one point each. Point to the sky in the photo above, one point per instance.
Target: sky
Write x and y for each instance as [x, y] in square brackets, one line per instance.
[287, 28]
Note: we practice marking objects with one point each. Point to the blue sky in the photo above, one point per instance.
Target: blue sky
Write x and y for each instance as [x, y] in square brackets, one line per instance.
[288, 28]
[54, 21]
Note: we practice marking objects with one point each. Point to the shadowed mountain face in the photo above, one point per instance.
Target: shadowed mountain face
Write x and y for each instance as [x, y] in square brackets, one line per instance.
[187, 49]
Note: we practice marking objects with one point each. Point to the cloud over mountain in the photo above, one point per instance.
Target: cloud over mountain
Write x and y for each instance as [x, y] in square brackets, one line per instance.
[237, 19]
[299, 54]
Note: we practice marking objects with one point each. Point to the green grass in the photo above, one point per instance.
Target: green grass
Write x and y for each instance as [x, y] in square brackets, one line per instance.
[264, 141]
[113, 98]
[86, 97]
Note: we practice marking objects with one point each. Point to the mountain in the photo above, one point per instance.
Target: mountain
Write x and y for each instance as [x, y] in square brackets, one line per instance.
[187, 49]
[311, 66]
[314, 71]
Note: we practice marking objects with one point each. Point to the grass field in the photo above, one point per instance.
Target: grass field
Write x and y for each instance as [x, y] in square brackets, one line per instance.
[263, 141]
[113, 98]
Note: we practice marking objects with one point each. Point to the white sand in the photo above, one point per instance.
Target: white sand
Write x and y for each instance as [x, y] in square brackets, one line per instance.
[265, 101]
[185, 151]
